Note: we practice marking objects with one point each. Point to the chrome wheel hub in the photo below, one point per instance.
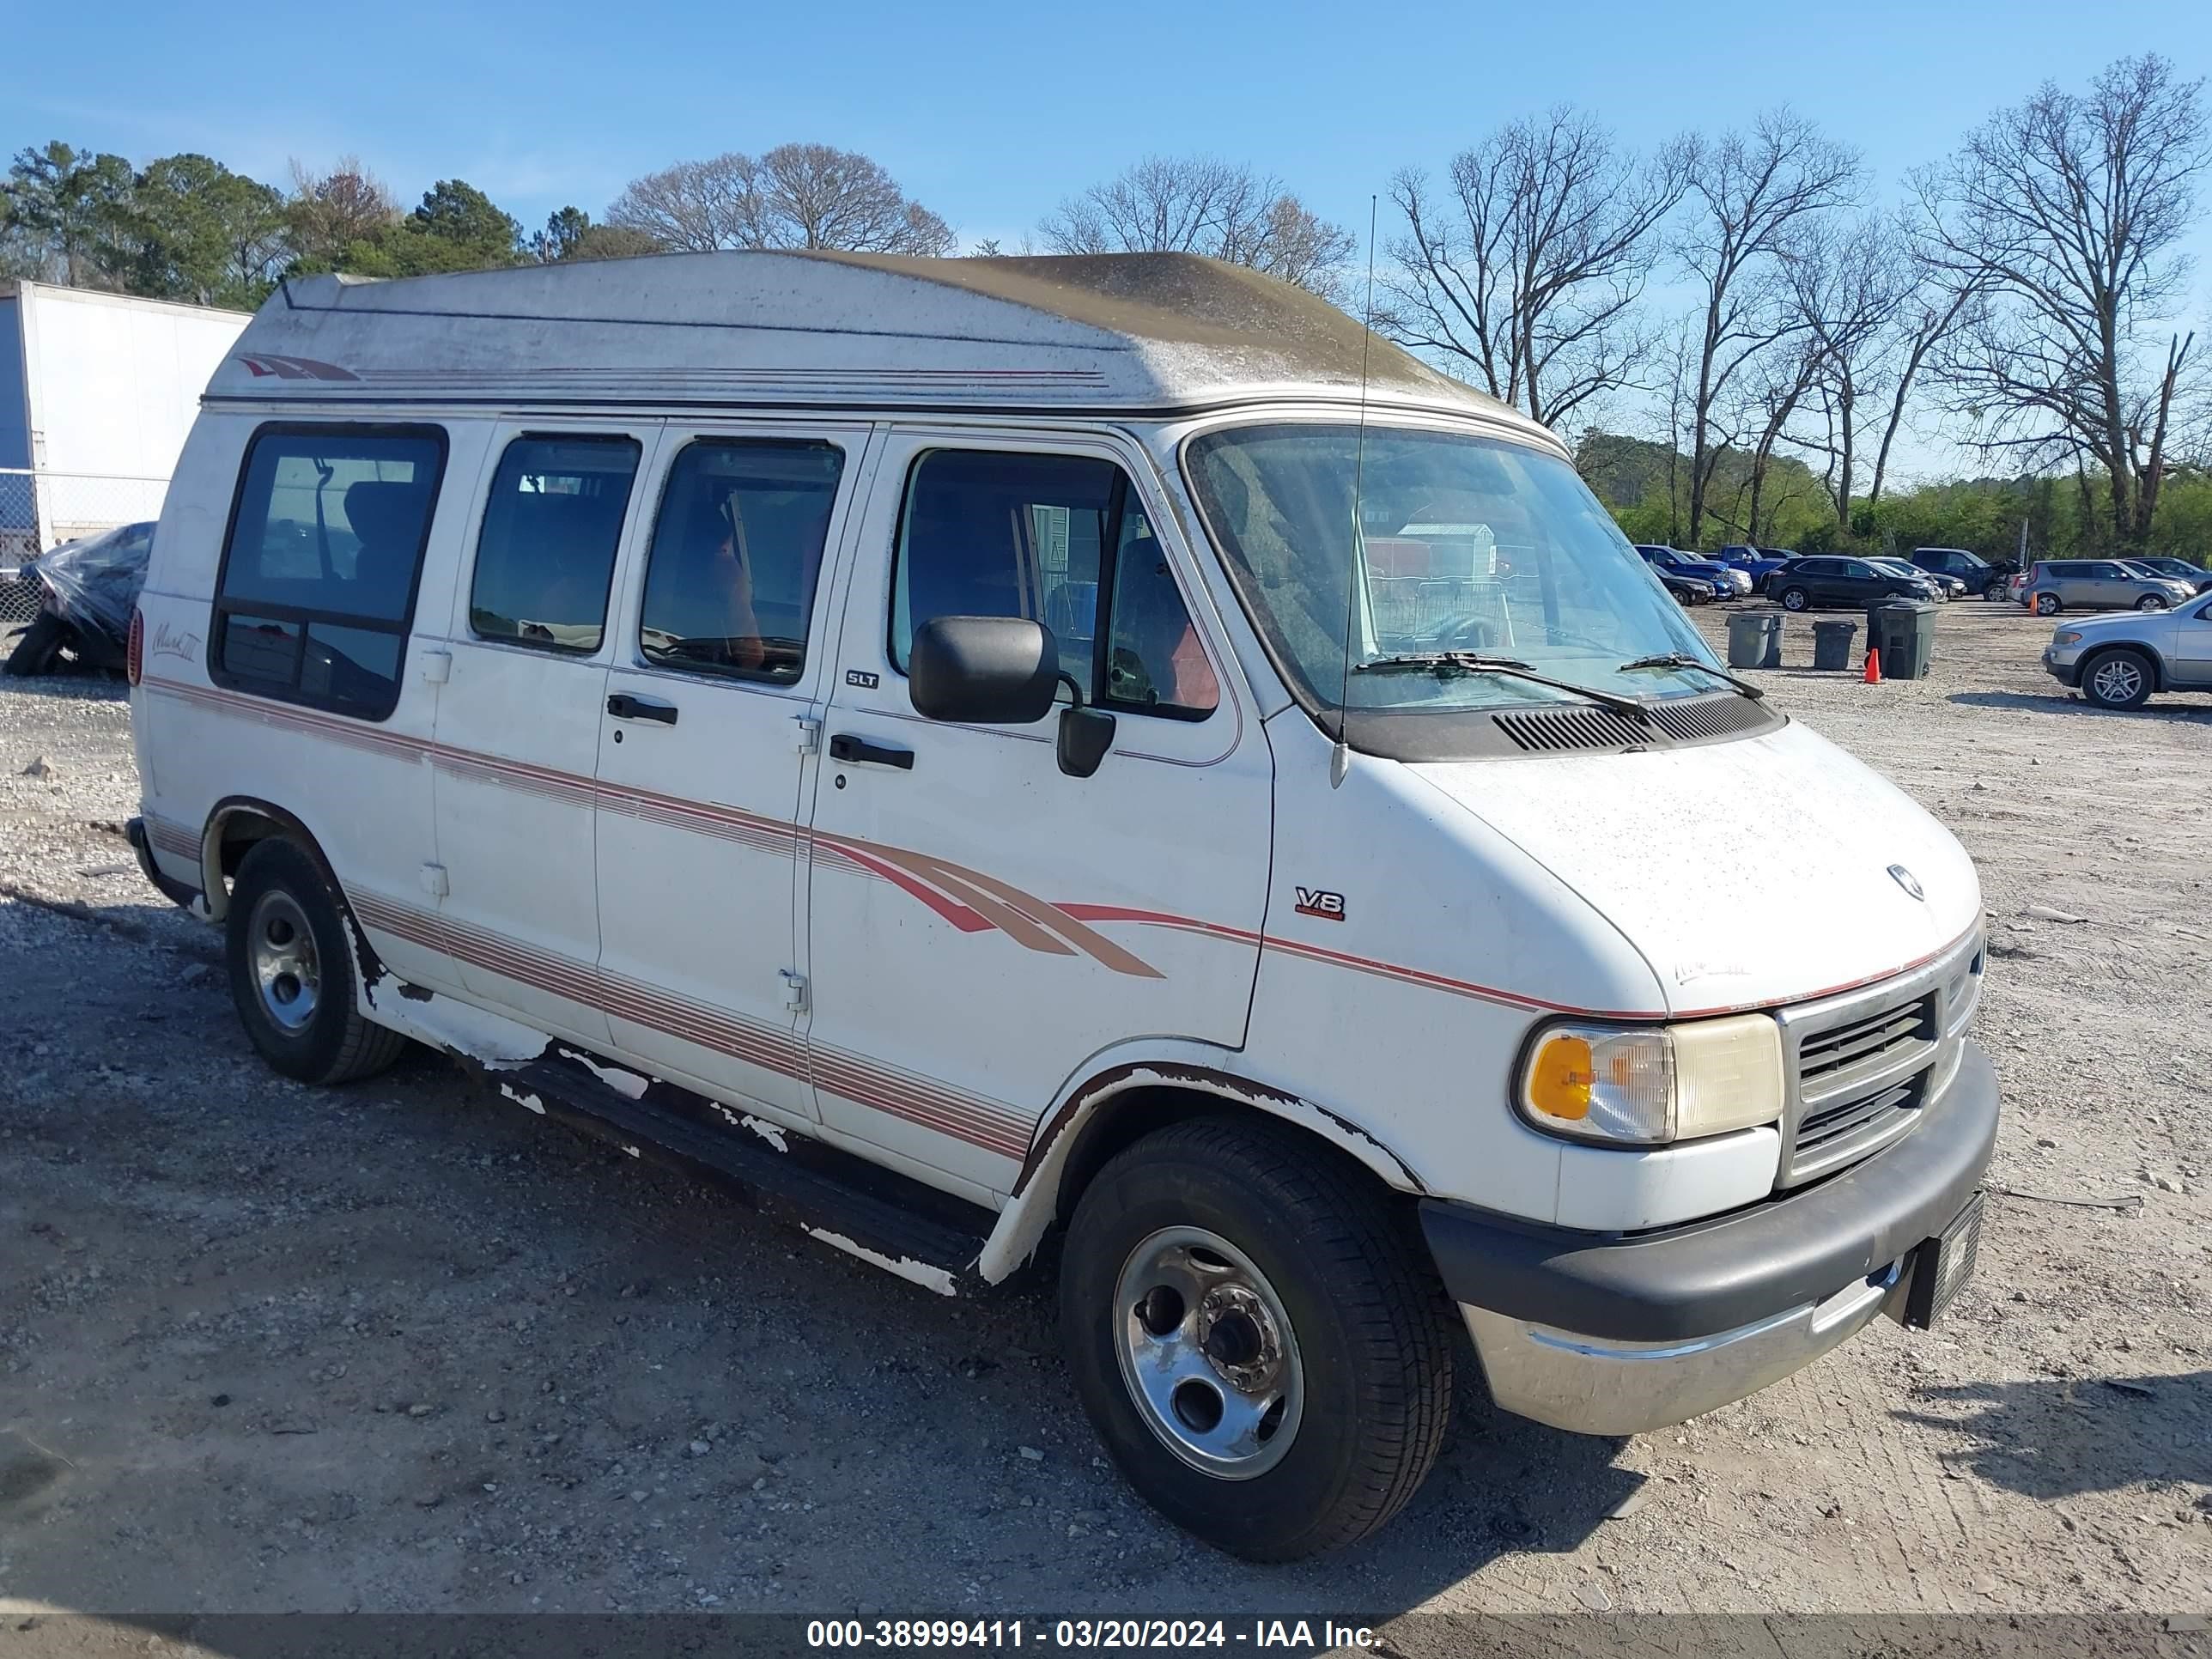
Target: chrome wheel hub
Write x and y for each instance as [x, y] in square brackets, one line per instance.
[1208, 1354]
[281, 948]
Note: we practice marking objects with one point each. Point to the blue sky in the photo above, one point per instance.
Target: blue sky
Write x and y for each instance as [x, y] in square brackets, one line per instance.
[991, 112]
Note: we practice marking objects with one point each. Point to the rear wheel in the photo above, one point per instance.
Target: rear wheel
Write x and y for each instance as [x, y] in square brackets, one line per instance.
[2046, 604]
[291, 971]
[1258, 1336]
[2118, 680]
[1796, 598]
[40, 647]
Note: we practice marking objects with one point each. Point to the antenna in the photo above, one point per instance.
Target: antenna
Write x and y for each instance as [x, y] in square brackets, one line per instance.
[1339, 760]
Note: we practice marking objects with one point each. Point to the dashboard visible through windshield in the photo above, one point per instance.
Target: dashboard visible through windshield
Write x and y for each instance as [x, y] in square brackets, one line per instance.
[1466, 549]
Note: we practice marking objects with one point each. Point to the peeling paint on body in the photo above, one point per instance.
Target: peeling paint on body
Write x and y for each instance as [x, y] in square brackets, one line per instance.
[916, 1272]
[522, 1099]
[626, 1083]
[771, 1133]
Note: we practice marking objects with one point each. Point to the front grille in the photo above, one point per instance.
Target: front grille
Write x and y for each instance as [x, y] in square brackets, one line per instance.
[1862, 1064]
[1829, 1059]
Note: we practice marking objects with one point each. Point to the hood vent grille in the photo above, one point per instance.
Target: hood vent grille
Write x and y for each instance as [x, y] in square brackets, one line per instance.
[1544, 730]
[1682, 720]
[1688, 719]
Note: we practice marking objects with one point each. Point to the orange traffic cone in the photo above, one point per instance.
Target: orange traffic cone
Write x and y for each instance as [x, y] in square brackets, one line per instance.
[1873, 664]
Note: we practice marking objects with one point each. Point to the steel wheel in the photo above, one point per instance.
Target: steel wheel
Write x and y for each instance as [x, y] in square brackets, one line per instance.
[282, 947]
[2118, 680]
[1208, 1354]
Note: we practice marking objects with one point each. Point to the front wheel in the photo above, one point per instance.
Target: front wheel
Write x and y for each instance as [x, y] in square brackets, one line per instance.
[2150, 602]
[1257, 1335]
[1794, 598]
[2118, 679]
[40, 647]
[291, 971]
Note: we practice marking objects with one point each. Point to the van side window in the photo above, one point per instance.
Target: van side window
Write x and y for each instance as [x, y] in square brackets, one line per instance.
[546, 554]
[319, 570]
[729, 587]
[987, 533]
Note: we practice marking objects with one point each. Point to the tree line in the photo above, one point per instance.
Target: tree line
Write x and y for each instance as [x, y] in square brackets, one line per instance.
[1775, 330]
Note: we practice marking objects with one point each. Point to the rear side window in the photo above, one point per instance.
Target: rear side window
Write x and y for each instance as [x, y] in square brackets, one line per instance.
[1047, 537]
[319, 571]
[737, 551]
[546, 557]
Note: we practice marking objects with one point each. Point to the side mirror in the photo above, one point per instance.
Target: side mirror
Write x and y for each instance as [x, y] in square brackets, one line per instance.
[983, 670]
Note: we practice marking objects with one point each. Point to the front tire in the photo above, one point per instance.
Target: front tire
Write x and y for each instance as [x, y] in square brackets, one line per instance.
[39, 648]
[1258, 1337]
[2150, 602]
[292, 974]
[2118, 680]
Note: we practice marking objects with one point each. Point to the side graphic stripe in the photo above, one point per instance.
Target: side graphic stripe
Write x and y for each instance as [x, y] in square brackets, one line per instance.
[988, 1124]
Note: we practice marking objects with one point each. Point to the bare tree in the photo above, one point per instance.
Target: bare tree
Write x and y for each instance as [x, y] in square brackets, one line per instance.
[329, 212]
[1750, 193]
[796, 196]
[1524, 269]
[1850, 283]
[1198, 204]
[2067, 214]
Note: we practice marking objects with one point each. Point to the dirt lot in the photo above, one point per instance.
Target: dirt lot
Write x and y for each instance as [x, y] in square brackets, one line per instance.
[401, 1347]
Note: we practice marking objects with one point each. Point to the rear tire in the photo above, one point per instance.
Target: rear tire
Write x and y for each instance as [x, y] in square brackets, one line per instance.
[291, 960]
[40, 647]
[1796, 598]
[2047, 604]
[1345, 1342]
[2118, 679]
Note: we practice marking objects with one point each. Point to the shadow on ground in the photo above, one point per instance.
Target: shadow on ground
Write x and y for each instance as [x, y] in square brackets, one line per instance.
[2049, 1437]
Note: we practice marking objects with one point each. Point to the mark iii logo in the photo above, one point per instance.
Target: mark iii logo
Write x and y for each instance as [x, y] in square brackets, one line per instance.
[1321, 902]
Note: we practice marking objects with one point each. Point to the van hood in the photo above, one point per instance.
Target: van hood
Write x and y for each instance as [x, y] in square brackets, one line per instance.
[1761, 871]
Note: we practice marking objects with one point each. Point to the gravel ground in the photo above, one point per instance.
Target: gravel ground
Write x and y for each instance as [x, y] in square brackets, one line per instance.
[399, 1347]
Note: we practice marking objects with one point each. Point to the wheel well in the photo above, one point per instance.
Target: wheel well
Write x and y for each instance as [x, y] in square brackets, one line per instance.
[1123, 1119]
[241, 829]
[2150, 659]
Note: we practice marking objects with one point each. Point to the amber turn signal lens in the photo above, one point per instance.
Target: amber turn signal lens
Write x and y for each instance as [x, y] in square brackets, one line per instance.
[1561, 1077]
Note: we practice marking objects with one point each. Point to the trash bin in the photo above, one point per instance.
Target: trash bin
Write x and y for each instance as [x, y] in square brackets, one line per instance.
[1904, 631]
[1832, 645]
[1754, 640]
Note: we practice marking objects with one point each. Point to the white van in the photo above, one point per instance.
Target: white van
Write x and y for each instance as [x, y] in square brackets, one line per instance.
[969, 749]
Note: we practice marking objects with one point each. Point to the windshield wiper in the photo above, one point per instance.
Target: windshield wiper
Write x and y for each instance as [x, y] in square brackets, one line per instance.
[1683, 659]
[1470, 662]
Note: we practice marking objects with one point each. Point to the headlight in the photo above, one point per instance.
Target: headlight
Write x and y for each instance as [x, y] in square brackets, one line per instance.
[1646, 1085]
[2068, 636]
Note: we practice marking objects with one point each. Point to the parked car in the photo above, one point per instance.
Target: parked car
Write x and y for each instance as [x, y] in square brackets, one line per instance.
[1725, 583]
[1974, 573]
[2014, 586]
[629, 737]
[1686, 589]
[1822, 581]
[2179, 569]
[86, 592]
[2119, 661]
[1751, 562]
[1769, 560]
[2056, 585]
[1935, 585]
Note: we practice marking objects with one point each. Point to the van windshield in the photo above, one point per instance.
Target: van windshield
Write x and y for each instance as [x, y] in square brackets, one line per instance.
[1464, 545]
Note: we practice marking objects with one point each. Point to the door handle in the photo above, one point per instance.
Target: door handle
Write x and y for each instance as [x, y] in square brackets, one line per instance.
[625, 706]
[859, 751]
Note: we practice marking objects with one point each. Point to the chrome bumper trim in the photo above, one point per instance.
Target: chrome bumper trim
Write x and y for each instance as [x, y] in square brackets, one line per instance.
[1589, 1386]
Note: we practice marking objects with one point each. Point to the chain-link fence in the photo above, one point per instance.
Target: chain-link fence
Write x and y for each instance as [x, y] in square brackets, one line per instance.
[40, 510]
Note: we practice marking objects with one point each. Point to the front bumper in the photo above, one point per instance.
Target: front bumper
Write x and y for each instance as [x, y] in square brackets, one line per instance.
[177, 892]
[1614, 1335]
[2064, 666]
